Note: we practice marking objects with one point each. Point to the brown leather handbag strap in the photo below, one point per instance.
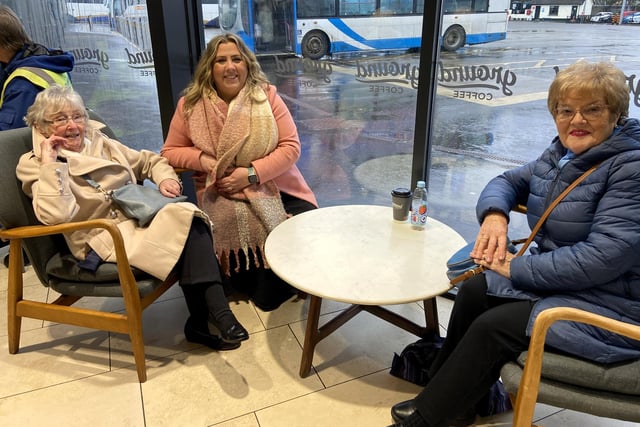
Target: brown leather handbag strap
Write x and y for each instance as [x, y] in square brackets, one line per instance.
[553, 204]
[479, 269]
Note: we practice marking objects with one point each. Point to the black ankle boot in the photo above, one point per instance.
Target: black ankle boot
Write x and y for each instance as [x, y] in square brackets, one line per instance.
[402, 410]
[193, 334]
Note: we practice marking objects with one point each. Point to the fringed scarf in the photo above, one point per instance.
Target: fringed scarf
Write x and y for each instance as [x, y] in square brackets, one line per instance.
[248, 132]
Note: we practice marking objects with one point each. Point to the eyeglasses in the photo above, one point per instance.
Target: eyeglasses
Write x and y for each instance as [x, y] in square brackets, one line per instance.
[59, 121]
[592, 112]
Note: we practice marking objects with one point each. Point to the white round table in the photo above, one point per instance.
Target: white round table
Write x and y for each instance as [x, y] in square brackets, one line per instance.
[359, 255]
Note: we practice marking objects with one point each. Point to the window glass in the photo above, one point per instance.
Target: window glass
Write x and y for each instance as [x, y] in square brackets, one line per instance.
[228, 18]
[355, 107]
[317, 9]
[396, 6]
[480, 6]
[114, 69]
[357, 7]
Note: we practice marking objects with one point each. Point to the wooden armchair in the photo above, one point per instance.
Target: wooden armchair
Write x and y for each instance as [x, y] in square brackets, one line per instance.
[564, 381]
[611, 391]
[57, 268]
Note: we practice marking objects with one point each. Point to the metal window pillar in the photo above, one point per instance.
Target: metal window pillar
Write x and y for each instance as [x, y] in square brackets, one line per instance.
[178, 40]
[427, 85]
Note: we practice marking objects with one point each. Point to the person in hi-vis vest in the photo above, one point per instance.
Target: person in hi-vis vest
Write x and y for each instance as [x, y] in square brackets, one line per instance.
[26, 68]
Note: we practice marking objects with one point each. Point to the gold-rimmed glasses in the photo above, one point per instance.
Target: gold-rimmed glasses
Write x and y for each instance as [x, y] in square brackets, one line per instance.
[62, 120]
[592, 112]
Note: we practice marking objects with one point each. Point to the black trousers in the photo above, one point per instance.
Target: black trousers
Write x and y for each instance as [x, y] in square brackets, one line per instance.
[484, 333]
[198, 263]
[200, 277]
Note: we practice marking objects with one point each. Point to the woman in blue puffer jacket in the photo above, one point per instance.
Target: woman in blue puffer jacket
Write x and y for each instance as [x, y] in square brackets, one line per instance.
[586, 254]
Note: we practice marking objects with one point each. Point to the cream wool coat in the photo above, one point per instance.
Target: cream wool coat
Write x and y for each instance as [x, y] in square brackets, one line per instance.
[61, 194]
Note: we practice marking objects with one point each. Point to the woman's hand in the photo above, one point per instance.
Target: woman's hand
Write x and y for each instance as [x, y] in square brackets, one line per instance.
[502, 267]
[49, 148]
[492, 239]
[490, 249]
[170, 188]
[235, 179]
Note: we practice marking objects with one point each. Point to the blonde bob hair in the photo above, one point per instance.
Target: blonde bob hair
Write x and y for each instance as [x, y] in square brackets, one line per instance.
[50, 102]
[202, 82]
[601, 78]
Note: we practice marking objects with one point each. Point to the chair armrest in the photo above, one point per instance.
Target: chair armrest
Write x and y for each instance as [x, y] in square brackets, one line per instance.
[127, 280]
[530, 382]
[520, 209]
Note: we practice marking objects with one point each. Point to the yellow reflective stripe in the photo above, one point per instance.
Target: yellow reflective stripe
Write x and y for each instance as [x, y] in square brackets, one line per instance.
[39, 77]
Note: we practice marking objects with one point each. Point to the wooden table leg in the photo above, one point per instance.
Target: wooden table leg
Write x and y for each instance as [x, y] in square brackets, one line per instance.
[311, 335]
[431, 315]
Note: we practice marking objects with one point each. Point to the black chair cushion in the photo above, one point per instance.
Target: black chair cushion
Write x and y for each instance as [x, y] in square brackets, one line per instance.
[67, 278]
[621, 377]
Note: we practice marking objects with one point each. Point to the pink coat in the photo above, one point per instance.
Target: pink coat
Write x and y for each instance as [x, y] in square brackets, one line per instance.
[279, 165]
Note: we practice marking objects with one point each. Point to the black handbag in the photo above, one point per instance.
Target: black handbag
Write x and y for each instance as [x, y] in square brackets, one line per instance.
[414, 362]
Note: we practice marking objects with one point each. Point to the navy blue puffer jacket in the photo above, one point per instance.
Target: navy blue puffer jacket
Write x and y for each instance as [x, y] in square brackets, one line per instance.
[588, 251]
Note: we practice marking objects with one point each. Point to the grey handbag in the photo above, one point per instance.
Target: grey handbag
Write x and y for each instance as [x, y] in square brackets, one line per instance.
[141, 202]
[137, 201]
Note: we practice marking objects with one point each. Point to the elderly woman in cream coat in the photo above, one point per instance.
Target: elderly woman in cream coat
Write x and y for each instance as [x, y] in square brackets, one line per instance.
[68, 149]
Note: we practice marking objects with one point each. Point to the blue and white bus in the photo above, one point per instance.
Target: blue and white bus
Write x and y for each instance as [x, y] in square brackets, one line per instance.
[315, 28]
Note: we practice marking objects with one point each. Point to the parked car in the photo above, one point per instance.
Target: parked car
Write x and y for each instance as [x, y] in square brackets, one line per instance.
[602, 17]
[633, 18]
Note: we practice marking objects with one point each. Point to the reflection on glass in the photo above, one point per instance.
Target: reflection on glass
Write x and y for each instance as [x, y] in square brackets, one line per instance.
[114, 68]
[319, 29]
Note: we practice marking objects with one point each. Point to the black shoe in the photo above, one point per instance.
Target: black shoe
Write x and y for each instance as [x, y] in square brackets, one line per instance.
[402, 410]
[192, 334]
[233, 334]
[413, 420]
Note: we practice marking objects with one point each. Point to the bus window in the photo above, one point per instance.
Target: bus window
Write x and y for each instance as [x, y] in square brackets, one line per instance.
[316, 9]
[397, 6]
[229, 14]
[357, 7]
[480, 6]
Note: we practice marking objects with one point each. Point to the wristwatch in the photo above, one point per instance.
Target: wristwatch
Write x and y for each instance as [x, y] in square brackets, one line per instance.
[253, 178]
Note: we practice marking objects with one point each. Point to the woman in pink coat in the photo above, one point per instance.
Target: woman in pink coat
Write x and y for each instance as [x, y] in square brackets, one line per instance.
[68, 149]
[233, 129]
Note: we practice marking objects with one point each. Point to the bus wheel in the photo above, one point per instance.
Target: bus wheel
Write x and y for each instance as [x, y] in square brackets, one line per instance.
[454, 38]
[315, 45]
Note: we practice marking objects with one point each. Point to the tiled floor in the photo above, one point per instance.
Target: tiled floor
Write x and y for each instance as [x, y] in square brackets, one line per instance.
[71, 376]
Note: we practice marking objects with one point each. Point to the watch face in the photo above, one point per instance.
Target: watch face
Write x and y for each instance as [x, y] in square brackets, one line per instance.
[253, 178]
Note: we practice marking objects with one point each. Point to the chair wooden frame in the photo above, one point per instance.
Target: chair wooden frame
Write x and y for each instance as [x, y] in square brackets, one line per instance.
[527, 394]
[529, 384]
[61, 311]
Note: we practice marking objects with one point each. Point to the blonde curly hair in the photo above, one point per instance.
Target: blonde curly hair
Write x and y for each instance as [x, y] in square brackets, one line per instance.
[202, 82]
